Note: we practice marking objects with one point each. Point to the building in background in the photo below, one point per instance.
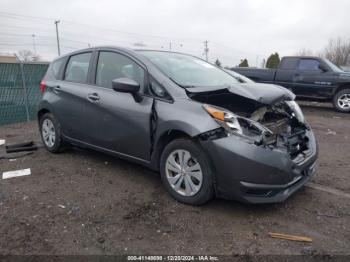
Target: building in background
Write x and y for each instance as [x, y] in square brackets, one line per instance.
[8, 59]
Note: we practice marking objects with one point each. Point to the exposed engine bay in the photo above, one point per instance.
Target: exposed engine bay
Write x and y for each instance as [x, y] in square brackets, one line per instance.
[279, 126]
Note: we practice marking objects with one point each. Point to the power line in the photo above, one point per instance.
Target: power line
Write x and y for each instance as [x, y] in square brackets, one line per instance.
[41, 36]
[99, 35]
[20, 16]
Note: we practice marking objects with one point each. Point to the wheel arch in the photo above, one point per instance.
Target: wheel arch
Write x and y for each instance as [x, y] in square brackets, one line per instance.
[341, 87]
[164, 139]
[41, 112]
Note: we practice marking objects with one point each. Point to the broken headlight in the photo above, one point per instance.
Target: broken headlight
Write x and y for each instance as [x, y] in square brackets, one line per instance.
[296, 111]
[233, 124]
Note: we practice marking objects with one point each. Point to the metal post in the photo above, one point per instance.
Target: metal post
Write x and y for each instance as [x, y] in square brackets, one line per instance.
[206, 49]
[24, 87]
[58, 38]
[34, 47]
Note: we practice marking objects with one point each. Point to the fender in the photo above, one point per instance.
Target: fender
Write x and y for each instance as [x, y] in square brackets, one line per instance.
[168, 124]
[44, 105]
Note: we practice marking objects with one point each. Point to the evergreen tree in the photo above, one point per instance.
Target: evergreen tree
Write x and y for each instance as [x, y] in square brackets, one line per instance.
[244, 63]
[217, 62]
[277, 59]
[273, 61]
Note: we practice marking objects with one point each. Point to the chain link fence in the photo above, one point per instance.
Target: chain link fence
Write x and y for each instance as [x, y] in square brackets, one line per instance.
[19, 91]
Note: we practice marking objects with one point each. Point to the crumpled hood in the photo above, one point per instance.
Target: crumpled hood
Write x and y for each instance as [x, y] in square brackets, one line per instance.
[268, 94]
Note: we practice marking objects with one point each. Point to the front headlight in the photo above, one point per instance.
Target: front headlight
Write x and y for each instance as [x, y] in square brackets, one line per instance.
[296, 110]
[233, 124]
[225, 118]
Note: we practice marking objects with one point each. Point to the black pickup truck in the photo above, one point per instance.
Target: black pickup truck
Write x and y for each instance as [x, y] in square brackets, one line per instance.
[310, 78]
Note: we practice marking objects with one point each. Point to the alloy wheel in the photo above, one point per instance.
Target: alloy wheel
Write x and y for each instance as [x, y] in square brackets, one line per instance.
[48, 132]
[344, 101]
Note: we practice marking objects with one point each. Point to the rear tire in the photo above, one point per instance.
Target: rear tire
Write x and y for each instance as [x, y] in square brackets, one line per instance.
[186, 172]
[341, 100]
[51, 135]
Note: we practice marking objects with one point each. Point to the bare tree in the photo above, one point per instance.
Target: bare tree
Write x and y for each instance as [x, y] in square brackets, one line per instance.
[36, 58]
[338, 51]
[304, 52]
[26, 55]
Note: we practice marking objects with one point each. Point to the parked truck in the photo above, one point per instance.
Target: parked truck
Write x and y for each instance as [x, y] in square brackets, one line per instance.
[308, 77]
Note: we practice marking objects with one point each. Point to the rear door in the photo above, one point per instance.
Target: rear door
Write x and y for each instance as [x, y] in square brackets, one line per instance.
[285, 73]
[70, 95]
[311, 81]
[115, 121]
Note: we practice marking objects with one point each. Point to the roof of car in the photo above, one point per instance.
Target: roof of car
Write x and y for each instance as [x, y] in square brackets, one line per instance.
[302, 57]
[128, 50]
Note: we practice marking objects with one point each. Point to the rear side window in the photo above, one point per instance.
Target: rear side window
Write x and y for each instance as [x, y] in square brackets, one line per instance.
[289, 63]
[77, 68]
[309, 64]
[113, 65]
[56, 67]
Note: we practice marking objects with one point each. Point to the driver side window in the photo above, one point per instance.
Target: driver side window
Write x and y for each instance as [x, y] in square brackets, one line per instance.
[113, 65]
[309, 65]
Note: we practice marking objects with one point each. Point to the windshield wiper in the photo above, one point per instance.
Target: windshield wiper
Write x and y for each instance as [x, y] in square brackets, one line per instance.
[183, 86]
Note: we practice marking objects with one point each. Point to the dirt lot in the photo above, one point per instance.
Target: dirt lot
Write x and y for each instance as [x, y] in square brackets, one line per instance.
[82, 202]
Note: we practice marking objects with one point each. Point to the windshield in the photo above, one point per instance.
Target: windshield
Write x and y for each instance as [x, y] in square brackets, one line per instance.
[189, 71]
[333, 66]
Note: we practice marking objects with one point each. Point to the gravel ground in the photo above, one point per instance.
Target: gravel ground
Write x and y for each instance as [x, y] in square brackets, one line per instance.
[83, 202]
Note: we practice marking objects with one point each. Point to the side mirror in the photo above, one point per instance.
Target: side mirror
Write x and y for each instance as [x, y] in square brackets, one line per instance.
[322, 67]
[125, 85]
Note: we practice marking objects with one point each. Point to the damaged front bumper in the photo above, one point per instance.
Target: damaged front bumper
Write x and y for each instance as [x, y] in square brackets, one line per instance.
[256, 174]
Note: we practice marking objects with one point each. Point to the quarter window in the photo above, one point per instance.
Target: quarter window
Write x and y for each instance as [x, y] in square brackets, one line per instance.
[113, 65]
[77, 68]
[288, 63]
[56, 67]
[309, 64]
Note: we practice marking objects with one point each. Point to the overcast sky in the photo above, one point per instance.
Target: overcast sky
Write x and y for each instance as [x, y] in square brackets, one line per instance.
[235, 29]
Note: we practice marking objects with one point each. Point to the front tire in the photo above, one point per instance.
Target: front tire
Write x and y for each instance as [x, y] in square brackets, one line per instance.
[341, 101]
[186, 172]
[50, 131]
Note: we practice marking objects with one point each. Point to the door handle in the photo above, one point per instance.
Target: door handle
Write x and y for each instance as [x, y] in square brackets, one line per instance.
[57, 89]
[94, 97]
[297, 77]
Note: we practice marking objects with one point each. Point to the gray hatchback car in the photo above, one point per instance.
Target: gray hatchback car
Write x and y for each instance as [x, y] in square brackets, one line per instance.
[208, 132]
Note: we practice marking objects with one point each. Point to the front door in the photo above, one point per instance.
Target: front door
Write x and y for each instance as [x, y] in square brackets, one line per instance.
[310, 81]
[114, 120]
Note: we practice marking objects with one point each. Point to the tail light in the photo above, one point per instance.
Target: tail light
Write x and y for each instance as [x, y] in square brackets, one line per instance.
[42, 86]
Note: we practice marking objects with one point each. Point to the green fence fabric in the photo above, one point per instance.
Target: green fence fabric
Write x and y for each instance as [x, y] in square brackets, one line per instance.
[12, 93]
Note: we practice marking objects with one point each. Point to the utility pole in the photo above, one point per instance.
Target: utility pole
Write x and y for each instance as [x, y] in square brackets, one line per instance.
[170, 46]
[34, 47]
[206, 49]
[58, 38]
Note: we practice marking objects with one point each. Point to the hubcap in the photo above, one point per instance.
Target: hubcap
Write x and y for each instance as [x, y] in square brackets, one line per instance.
[184, 173]
[48, 132]
[344, 101]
